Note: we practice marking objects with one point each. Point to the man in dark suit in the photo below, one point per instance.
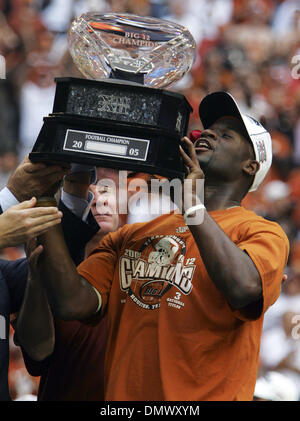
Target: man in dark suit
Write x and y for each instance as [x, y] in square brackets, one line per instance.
[20, 220]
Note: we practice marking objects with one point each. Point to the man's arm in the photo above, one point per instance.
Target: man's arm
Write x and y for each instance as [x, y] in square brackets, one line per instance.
[34, 326]
[230, 268]
[71, 297]
[20, 221]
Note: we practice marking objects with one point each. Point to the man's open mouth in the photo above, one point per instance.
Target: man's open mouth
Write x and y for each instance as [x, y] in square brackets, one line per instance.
[202, 144]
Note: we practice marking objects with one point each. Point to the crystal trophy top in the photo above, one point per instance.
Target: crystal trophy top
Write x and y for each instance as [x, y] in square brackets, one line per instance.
[150, 51]
[115, 116]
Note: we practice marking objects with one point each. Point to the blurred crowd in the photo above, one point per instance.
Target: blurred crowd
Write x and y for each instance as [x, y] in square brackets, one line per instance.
[250, 48]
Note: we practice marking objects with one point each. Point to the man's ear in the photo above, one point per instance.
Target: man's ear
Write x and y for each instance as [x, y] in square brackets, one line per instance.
[251, 167]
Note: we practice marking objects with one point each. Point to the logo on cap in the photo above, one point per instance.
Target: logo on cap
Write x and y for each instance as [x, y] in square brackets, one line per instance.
[254, 121]
[261, 149]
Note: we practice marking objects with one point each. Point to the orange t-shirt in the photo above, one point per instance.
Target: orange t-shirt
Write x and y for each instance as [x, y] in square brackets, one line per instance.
[171, 333]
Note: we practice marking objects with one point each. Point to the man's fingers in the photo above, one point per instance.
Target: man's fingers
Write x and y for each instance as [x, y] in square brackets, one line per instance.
[186, 159]
[189, 157]
[26, 204]
[189, 149]
[34, 255]
[28, 210]
[43, 169]
[40, 220]
[30, 244]
[53, 171]
[31, 168]
[43, 211]
[37, 224]
[41, 229]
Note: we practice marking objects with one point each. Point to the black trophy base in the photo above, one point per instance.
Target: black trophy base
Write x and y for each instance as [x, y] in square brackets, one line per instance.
[114, 125]
[123, 147]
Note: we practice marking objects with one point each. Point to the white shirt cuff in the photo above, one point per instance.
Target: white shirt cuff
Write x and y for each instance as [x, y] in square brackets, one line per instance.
[7, 199]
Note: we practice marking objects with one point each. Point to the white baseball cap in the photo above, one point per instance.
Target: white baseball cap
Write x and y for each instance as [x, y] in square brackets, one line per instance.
[221, 104]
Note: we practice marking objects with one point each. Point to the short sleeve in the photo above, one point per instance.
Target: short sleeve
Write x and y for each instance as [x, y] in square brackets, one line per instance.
[268, 247]
[100, 266]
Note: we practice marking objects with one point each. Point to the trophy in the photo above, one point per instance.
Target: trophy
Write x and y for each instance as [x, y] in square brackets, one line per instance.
[119, 116]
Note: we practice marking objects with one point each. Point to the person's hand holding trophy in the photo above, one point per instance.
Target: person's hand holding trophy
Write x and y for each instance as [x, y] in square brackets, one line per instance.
[119, 116]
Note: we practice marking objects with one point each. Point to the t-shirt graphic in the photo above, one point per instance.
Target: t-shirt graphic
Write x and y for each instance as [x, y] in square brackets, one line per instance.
[146, 275]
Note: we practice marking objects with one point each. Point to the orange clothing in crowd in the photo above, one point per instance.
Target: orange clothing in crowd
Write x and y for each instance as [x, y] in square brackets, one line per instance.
[171, 333]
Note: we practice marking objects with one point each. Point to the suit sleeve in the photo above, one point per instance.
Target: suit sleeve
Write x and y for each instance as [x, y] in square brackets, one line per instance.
[77, 233]
[15, 275]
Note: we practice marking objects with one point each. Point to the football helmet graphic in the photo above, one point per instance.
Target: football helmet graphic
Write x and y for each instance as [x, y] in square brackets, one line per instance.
[165, 251]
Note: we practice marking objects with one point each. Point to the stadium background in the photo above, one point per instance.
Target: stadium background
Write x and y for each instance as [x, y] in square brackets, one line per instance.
[249, 48]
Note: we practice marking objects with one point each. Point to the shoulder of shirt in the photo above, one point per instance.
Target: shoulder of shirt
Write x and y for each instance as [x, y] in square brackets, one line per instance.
[249, 217]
